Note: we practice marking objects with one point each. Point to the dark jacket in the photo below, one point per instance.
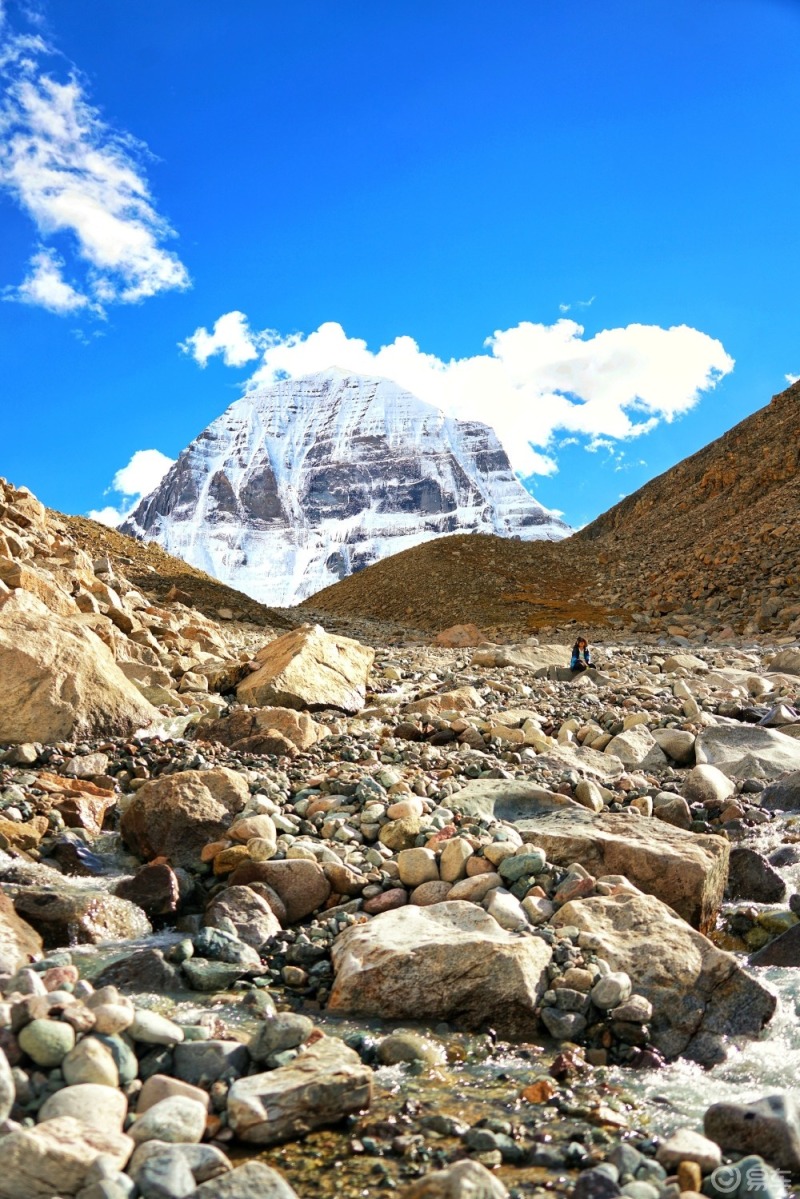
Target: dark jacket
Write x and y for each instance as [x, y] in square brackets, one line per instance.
[576, 657]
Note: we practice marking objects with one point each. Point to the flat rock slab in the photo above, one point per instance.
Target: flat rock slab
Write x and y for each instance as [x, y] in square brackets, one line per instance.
[449, 960]
[54, 1158]
[601, 767]
[742, 750]
[507, 799]
[535, 657]
[323, 1084]
[682, 869]
[699, 993]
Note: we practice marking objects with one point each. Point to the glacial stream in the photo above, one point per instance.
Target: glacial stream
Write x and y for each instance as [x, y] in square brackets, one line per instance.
[481, 1080]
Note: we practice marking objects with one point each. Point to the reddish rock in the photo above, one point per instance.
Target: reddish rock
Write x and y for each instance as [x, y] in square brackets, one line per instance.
[154, 889]
[177, 815]
[386, 901]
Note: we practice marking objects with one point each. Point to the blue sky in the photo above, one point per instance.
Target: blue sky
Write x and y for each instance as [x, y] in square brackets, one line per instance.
[437, 172]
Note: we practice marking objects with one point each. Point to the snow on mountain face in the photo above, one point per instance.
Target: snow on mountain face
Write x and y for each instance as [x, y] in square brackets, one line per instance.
[301, 483]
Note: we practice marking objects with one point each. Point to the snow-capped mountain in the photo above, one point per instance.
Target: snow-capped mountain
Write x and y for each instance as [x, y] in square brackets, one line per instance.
[298, 484]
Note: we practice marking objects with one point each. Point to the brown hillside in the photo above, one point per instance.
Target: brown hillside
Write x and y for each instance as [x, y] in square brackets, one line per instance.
[711, 544]
[154, 572]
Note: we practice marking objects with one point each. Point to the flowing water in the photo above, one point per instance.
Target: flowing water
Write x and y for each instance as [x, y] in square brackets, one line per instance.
[484, 1081]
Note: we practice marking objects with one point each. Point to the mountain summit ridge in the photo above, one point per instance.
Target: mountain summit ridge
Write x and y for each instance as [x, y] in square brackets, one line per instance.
[300, 483]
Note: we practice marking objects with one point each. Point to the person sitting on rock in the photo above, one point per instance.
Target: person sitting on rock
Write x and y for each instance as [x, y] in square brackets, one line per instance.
[581, 656]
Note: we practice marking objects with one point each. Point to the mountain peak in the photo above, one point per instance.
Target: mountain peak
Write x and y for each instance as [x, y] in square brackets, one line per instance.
[283, 495]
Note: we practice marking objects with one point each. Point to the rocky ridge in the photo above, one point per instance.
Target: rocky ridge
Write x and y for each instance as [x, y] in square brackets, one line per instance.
[466, 844]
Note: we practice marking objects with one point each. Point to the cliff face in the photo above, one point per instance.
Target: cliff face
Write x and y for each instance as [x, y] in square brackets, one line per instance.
[300, 484]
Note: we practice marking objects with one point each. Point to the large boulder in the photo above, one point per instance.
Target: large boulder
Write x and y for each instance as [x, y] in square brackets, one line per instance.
[251, 1180]
[252, 917]
[19, 943]
[637, 749]
[787, 661]
[699, 994]
[322, 1085]
[309, 668]
[750, 876]
[60, 682]
[682, 869]
[676, 744]
[689, 662]
[769, 1127]
[451, 960]
[175, 816]
[85, 916]
[54, 1158]
[742, 750]
[783, 951]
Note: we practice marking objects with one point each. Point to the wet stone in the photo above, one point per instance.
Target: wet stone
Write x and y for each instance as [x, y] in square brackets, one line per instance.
[199, 1062]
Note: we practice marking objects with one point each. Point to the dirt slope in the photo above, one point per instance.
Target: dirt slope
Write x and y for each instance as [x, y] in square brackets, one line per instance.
[712, 545]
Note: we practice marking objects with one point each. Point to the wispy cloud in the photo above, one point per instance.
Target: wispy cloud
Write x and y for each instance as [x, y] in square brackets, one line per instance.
[530, 383]
[564, 308]
[790, 379]
[81, 182]
[142, 475]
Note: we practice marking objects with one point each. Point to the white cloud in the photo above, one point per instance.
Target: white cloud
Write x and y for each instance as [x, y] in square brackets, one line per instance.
[46, 287]
[142, 475]
[231, 337]
[107, 516]
[790, 379]
[81, 181]
[532, 380]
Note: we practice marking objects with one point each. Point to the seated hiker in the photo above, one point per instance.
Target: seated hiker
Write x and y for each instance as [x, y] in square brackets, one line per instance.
[581, 656]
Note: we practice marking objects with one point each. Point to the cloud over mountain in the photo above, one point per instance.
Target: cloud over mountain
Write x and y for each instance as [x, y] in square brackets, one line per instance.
[529, 382]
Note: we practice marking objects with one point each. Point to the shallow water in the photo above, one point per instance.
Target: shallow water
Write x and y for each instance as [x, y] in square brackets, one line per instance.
[481, 1081]
[678, 1095]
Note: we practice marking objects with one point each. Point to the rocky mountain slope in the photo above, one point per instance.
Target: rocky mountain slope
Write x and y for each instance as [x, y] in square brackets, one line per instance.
[299, 484]
[97, 631]
[470, 841]
[711, 547]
